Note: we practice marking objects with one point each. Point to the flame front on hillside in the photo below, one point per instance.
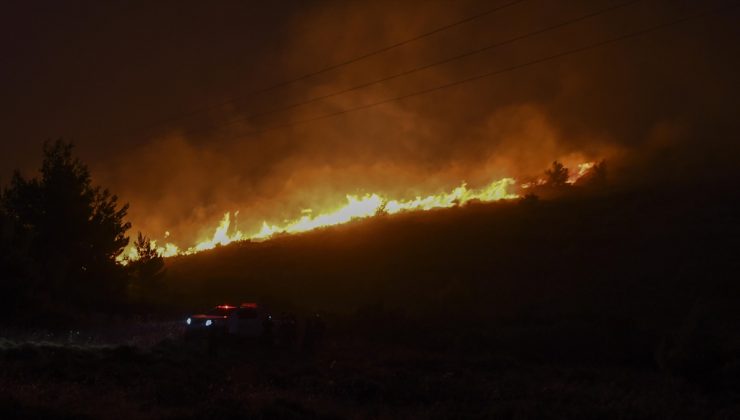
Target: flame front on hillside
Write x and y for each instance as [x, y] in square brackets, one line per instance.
[356, 207]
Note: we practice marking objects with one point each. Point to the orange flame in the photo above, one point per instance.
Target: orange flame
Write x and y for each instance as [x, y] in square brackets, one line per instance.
[356, 207]
[583, 169]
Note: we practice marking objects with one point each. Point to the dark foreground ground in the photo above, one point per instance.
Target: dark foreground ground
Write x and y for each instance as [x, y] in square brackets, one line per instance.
[346, 377]
[619, 304]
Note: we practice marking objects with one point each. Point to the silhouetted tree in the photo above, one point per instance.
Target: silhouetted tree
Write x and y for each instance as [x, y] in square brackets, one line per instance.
[382, 210]
[596, 177]
[77, 230]
[147, 271]
[557, 175]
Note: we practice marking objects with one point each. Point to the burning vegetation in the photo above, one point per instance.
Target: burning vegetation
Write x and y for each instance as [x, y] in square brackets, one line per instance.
[369, 205]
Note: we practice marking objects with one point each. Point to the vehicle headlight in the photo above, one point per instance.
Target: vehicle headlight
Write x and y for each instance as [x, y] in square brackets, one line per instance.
[188, 321]
[208, 322]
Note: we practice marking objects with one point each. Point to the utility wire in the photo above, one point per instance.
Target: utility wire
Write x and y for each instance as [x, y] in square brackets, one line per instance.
[334, 66]
[423, 67]
[552, 57]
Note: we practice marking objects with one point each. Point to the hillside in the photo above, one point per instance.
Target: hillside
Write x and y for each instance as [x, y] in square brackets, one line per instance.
[621, 271]
[627, 251]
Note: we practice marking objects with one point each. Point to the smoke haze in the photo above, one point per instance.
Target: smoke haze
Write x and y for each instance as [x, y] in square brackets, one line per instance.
[121, 81]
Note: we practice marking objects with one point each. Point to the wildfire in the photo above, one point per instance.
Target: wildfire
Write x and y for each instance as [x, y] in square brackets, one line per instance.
[221, 236]
[573, 177]
[356, 207]
[583, 169]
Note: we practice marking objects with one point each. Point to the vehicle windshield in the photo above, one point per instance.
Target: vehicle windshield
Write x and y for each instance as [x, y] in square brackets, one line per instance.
[221, 310]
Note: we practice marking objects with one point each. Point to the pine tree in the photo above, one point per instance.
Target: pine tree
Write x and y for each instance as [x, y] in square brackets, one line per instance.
[77, 229]
[147, 271]
[557, 175]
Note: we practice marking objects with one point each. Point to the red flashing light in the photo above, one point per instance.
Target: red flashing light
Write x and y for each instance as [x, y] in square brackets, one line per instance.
[249, 305]
[225, 307]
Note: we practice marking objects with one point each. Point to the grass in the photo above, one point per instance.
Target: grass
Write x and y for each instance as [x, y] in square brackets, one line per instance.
[348, 377]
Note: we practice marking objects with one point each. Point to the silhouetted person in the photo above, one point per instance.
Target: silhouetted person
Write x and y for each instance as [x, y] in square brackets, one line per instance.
[309, 337]
[268, 334]
[288, 331]
[319, 328]
[314, 333]
[214, 342]
[281, 324]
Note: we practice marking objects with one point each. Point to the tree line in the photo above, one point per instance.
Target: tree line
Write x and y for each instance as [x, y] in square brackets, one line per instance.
[60, 237]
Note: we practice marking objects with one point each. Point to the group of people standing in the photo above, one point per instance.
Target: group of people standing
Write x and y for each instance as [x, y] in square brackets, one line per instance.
[289, 335]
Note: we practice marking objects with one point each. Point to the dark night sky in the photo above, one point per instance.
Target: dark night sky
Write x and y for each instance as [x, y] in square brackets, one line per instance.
[123, 79]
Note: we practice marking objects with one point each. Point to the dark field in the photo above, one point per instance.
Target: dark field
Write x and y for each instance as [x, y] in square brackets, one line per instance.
[614, 305]
[346, 379]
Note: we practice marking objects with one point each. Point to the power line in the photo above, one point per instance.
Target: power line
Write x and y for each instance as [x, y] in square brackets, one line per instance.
[335, 65]
[501, 71]
[425, 66]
